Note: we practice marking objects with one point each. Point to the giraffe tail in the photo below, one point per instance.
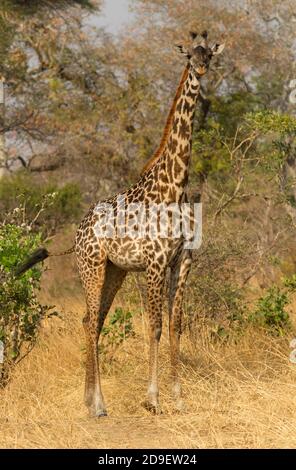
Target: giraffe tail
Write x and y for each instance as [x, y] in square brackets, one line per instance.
[36, 257]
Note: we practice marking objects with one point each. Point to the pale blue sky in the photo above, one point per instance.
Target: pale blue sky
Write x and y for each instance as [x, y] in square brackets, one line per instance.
[114, 15]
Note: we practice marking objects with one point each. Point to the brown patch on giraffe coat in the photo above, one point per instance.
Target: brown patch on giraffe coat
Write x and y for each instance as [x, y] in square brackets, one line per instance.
[172, 145]
[175, 126]
[177, 169]
[191, 94]
[184, 130]
[172, 193]
[184, 153]
[187, 107]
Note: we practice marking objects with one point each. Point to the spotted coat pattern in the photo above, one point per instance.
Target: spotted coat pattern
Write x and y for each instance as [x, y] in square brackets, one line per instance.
[104, 262]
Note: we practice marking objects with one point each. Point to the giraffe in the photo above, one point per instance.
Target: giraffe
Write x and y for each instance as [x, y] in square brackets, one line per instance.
[103, 262]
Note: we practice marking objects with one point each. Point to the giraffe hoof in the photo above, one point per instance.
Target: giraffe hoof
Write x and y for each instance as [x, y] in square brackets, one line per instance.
[153, 409]
[97, 414]
[180, 406]
[101, 414]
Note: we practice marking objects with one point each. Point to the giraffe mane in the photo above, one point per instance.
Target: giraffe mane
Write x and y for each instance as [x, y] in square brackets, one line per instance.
[169, 122]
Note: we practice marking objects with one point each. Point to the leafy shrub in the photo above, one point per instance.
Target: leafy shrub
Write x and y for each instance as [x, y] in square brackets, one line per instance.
[272, 121]
[119, 328]
[271, 309]
[54, 205]
[209, 154]
[21, 312]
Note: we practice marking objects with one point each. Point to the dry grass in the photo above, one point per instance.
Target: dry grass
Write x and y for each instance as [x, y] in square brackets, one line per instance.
[236, 395]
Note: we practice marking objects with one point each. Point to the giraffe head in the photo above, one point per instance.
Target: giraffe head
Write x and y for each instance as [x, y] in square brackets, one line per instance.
[199, 54]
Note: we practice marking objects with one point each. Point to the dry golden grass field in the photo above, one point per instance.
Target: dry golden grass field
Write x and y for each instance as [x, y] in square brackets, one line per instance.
[236, 395]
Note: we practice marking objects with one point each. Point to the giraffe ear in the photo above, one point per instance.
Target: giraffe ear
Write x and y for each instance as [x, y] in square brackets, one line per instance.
[180, 48]
[217, 48]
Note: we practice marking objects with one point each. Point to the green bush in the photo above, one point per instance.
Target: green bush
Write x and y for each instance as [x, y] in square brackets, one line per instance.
[271, 309]
[21, 312]
[55, 206]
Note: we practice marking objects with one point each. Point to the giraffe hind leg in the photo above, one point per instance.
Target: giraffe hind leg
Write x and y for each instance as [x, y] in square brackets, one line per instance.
[155, 283]
[179, 274]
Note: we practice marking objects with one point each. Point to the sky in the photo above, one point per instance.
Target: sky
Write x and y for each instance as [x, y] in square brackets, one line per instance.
[114, 15]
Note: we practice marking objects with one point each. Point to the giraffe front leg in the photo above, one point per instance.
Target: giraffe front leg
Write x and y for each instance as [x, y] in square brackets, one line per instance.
[178, 279]
[155, 282]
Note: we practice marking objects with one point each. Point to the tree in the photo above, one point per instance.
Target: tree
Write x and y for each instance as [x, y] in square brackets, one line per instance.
[36, 39]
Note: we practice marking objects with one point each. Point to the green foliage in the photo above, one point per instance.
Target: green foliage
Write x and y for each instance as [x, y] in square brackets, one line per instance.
[56, 206]
[272, 121]
[21, 312]
[229, 110]
[219, 149]
[276, 145]
[290, 283]
[119, 328]
[271, 309]
[270, 312]
[209, 155]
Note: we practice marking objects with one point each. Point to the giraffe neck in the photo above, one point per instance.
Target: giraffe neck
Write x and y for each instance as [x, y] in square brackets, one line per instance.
[169, 122]
[174, 165]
